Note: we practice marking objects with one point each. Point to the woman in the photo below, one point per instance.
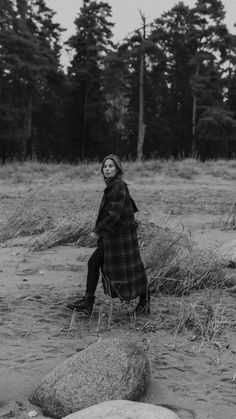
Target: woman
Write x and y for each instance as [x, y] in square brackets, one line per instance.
[117, 253]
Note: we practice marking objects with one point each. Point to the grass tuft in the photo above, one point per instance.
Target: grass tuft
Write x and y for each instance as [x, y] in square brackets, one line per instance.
[176, 266]
[65, 231]
[25, 220]
[202, 317]
[229, 221]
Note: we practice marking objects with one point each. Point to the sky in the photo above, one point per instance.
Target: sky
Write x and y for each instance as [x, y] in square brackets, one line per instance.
[126, 15]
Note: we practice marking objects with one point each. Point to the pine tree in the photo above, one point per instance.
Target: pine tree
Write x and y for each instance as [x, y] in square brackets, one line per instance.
[211, 44]
[140, 64]
[195, 41]
[90, 44]
[29, 48]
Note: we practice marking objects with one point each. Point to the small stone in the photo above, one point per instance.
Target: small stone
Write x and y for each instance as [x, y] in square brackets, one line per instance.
[32, 414]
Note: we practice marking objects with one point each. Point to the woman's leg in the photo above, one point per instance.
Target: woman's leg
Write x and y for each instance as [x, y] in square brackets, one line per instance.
[85, 304]
[94, 264]
[145, 298]
[143, 306]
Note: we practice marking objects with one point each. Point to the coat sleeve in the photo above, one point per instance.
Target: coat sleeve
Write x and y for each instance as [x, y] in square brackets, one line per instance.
[116, 206]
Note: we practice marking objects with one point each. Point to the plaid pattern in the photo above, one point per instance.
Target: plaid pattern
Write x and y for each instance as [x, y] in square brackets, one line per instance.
[123, 271]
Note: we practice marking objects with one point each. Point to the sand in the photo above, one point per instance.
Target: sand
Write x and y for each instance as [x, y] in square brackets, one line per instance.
[195, 378]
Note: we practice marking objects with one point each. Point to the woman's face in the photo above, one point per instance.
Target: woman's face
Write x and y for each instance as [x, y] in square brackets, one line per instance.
[109, 168]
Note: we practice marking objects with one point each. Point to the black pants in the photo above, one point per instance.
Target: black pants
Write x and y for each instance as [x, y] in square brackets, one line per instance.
[94, 264]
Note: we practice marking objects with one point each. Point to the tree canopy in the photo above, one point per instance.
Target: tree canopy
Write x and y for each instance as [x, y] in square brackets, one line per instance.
[178, 70]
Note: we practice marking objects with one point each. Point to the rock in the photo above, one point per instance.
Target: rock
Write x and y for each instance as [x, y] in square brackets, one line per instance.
[123, 409]
[107, 370]
[227, 252]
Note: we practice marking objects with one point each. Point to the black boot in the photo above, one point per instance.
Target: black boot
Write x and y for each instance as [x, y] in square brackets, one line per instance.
[83, 305]
[143, 306]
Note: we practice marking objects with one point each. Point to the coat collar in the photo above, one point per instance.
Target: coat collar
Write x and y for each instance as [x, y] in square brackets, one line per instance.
[110, 182]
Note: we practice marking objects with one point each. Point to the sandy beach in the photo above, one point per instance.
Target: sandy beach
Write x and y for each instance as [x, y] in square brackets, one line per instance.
[194, 377]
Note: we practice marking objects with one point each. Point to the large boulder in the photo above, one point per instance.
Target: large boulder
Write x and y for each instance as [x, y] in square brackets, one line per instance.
[107, 370]
[123, 409]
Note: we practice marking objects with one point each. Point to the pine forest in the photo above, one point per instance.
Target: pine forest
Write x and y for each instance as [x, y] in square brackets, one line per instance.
[167, 90]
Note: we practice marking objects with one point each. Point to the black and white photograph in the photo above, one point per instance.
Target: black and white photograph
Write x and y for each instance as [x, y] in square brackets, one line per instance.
[118, 209]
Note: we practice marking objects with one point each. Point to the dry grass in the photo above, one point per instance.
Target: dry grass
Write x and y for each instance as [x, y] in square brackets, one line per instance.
[185, 168]
[204, 317]
[176, 266]
[25, 220]
[221, 168]
[65, 231]
[32, 171]
[228, 222]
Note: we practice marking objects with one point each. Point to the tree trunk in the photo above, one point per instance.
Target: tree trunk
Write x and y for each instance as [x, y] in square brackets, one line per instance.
[194, 125]
[84, 133]
[28, 139]
[141, 125]
[194, 117]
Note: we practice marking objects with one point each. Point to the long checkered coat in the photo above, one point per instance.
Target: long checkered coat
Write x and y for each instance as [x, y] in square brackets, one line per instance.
[123, 272]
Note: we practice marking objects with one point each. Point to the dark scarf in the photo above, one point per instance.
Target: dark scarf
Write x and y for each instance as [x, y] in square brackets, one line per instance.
[109, 181]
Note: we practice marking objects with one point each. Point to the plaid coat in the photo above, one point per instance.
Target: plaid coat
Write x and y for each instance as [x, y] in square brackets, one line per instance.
[123, 272]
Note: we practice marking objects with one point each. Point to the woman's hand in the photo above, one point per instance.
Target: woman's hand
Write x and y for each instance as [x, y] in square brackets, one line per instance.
[94, 235]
